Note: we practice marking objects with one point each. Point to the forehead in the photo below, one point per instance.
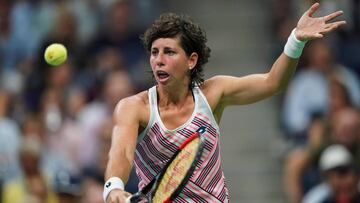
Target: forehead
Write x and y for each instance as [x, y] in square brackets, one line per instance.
[166, 42]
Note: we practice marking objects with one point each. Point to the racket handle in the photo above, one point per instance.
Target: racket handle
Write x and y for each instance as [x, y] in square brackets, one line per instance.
[134, 198]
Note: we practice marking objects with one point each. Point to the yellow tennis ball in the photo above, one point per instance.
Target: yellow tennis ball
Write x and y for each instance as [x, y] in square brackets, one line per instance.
[55, 54]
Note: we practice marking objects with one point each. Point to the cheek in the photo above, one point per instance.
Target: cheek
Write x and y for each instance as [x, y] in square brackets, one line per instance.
[152, 64]
[180, 64]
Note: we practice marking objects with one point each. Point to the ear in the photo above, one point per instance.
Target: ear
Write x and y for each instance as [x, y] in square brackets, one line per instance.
[193, 60]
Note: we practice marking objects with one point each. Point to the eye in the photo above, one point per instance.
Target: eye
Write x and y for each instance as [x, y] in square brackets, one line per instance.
[169, 52]
[154, 52]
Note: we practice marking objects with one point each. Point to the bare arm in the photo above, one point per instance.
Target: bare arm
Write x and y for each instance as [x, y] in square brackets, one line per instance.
[255, 87]
[252, 88]
[121, 154]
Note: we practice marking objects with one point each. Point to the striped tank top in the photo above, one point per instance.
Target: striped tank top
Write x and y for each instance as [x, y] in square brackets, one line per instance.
[156, 144]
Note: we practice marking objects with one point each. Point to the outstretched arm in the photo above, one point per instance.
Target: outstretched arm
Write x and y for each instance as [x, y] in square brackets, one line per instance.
[252, 88]
[121, 155]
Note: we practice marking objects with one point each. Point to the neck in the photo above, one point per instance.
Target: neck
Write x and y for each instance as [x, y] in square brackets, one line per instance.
[174, 95]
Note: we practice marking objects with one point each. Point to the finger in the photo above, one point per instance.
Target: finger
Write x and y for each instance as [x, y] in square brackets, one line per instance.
[333, 15]
[312, 9]
[332, 26]
[318, 35]
[338, 23]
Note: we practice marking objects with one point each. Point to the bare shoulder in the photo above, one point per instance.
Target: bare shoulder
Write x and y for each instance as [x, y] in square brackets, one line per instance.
[134, 101]
[135, 107]
[212, 90]
[213, 85]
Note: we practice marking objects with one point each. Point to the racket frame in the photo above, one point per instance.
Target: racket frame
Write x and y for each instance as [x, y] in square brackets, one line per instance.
[190, 171]
[154, 183]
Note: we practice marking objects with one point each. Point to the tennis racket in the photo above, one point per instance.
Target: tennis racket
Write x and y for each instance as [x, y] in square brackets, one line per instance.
[168, 184]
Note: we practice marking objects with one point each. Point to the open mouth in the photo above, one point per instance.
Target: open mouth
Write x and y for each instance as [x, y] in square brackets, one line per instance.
[162, 74]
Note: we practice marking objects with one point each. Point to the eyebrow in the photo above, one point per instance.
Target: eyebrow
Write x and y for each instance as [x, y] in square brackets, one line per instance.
[169, 48]
[165, 48]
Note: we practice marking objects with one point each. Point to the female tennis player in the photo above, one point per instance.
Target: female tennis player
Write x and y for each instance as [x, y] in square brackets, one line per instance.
[151, 125]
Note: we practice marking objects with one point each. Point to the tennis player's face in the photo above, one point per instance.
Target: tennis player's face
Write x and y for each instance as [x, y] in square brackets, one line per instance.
[169, 62]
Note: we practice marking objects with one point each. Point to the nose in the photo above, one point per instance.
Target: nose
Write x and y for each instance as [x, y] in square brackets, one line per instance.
[159, 60]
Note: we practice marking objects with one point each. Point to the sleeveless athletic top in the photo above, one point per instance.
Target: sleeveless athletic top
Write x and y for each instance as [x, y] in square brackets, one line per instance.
[156, 144]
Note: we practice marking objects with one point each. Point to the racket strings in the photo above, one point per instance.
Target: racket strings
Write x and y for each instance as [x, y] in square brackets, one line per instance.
[176, 172]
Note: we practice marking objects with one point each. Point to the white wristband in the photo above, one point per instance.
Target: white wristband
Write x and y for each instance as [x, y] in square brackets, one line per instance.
[111, 184]
[294, 47]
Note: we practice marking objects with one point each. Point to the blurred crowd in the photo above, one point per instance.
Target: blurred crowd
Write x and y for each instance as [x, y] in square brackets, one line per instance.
[55, 122]
[320, 114]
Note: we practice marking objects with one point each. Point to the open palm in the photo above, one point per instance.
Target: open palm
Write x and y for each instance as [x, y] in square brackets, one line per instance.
[310, 27]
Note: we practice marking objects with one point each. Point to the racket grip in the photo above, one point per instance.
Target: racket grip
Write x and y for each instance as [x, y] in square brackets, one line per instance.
[134, 198]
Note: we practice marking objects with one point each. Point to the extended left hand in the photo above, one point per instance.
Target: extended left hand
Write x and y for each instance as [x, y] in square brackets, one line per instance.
[309, 27]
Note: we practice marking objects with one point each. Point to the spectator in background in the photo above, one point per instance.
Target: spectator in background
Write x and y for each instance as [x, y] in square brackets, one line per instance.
[308, 93]
[105, 61]
[120, 34]
[62, 130]
[117, 85]
[339, 100]
[341, 178]
[5, 32]
[301, 167]
[88, 17]
[68, 188]
[33, 126]
[58, 83]
[32, 185]
[92, 186]
[28, 20]
[67, 141]
[9, 139]
[52, 106]
[10, 78]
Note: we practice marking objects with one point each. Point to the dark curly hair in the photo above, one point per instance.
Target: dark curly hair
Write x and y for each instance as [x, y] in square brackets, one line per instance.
[192, 39]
